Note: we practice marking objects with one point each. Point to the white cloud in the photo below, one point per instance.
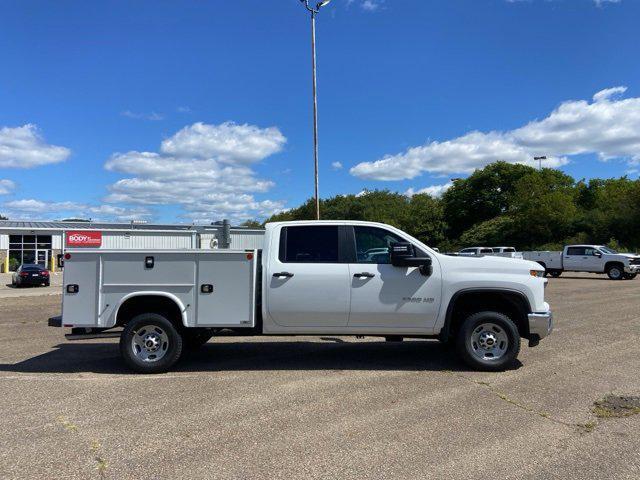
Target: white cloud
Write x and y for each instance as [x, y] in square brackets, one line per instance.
[6, 186]
[226, 143]
[433, 190]
[608, 127]
[367, 5]
[204, 169]
[37, 209]
[336, 165]
[153, 116]
[371, 5]
[24, 147]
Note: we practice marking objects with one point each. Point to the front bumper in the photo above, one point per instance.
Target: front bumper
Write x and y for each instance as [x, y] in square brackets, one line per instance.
[632, 269]
[540, 325]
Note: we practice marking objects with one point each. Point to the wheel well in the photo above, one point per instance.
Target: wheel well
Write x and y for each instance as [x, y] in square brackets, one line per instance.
[159, 304]
[610, 264]
[512, 304]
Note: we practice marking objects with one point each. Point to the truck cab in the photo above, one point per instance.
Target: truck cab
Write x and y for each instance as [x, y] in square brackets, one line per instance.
[600, 259]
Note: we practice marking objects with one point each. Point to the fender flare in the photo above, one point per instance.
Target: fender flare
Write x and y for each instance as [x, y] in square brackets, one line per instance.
[446, 329]
[152, 293]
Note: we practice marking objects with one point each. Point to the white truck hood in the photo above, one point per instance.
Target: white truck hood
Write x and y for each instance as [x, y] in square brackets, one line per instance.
[492, 264]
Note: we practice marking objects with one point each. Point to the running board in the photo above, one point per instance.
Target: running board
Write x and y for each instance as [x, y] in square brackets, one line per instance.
[80, 333]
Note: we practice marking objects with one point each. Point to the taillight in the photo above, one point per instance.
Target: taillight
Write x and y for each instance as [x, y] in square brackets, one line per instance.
[24, 274]
[45, 273]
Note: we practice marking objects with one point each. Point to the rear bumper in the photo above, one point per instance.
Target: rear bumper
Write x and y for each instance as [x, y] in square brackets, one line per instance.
[540, 325]
[55, 321]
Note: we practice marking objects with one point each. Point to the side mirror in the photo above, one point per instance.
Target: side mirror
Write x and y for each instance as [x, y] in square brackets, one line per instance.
[403, 254]
[400, 252]
[597, 253]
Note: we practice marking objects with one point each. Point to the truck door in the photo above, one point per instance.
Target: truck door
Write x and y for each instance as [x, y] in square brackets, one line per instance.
[384, 296]
[307, 285]
[574, 259]
[593, 262]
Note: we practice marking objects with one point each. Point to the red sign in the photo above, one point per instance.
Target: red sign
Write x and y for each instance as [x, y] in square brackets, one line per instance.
[84, 238]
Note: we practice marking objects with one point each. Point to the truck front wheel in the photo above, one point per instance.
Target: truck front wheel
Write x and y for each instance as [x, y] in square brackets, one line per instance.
[150, 343]
[615, 272]
[488, 341]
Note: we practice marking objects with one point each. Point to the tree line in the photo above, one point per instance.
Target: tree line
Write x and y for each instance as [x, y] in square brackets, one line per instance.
[501, 204]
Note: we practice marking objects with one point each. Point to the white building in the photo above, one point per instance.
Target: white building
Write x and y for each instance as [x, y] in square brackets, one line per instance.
[40, 242]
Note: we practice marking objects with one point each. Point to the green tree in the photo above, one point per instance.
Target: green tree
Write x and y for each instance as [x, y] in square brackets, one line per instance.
[486, 194]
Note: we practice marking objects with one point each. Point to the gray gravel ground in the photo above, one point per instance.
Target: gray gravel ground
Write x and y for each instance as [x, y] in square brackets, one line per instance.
[338, 408]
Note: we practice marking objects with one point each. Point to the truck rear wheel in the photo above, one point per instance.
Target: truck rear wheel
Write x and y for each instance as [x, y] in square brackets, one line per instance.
[150, 343]
[555, 273]
[615, 272]
[488, 341]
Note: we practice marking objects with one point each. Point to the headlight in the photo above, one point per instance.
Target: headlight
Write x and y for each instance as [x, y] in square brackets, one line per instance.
[536, 273]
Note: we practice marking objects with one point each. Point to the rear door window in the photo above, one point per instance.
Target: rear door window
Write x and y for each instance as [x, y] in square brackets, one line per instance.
[309, 244]
[575, 251]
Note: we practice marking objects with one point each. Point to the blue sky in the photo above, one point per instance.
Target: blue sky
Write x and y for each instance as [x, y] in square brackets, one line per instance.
[199, 110]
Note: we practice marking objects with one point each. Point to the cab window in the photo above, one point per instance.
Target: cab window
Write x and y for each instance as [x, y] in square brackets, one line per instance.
[372, 244]
[309, 244]
[575, 251]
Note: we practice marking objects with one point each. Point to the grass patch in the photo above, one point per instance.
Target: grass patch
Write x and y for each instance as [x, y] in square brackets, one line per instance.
[616, 406]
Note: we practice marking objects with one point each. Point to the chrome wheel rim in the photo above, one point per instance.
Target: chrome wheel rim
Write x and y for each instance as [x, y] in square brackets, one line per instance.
[150, 343]
[489, 342]
[615, 272]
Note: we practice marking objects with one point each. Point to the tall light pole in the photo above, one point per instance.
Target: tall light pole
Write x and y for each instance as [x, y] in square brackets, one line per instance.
[313, 12]
[539, 159]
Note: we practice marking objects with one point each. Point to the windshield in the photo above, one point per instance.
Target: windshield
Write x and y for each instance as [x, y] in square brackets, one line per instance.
[608, 250]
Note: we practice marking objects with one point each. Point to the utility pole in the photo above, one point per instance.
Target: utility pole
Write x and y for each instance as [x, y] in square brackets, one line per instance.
[314, 12]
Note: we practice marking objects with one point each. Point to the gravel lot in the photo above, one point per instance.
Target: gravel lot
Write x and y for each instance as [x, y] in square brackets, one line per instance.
[325, 407]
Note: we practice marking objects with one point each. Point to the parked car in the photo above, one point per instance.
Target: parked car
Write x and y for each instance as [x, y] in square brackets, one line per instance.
[311, 278]
[587, 258]
[507, 252]
[476, 251]
[30, 274]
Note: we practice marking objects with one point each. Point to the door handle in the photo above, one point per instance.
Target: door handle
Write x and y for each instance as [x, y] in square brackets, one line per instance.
[283, 274]
[364, 275]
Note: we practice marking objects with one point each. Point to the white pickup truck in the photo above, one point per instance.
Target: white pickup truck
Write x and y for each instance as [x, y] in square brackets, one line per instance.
[587, 258]
[311, 278]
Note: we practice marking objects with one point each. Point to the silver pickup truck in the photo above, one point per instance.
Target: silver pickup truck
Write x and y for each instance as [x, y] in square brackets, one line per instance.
[587, 258]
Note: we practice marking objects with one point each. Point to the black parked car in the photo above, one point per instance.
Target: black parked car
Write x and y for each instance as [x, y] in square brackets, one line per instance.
[30, 274]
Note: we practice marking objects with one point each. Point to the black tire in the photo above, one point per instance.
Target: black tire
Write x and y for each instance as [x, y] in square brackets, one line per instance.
[47, 284]
[630, 276]
[505, 331]
[193, 338]
[165, 339]
[555, 273]
[615, 271]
